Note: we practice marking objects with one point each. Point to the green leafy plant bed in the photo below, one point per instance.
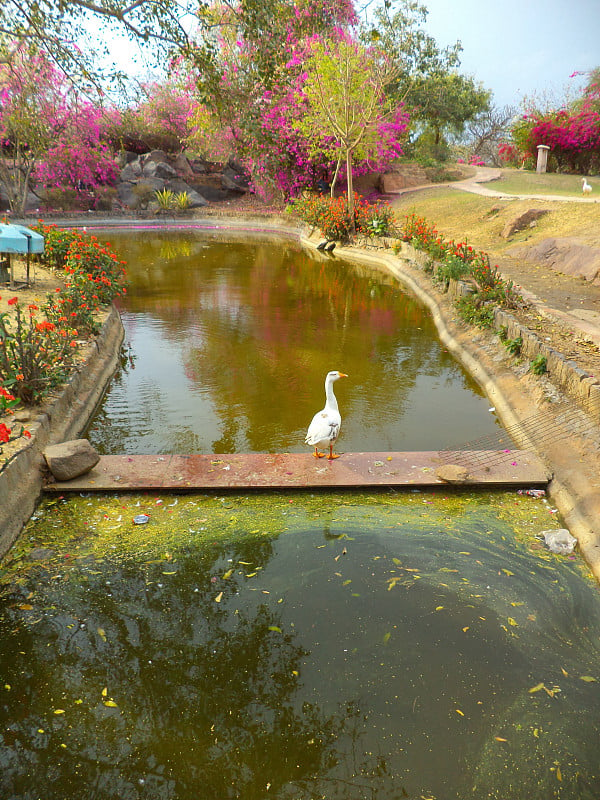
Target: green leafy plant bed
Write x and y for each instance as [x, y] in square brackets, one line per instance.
[41, 342]
[332, 216]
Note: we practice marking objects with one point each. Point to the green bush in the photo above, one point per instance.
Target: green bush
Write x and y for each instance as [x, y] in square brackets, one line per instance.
[474, 312]
[332, 216]
[539, 365]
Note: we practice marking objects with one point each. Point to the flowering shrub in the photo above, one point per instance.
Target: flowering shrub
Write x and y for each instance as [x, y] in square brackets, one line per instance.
[572, 134]
[9, 434]
[94, 274]
[332, 216]
[37, 352]
[510, 154]
[461, 261]
[35, 355]
[72, 164]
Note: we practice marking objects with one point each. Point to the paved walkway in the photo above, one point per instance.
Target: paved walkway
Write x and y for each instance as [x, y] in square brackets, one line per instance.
[483, 175]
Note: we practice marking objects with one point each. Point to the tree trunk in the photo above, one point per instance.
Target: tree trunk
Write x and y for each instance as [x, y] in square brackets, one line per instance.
[335, 175]
[350, 190]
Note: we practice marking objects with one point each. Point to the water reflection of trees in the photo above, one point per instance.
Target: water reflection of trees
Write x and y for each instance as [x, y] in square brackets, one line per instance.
[258, 324]
[204, 692]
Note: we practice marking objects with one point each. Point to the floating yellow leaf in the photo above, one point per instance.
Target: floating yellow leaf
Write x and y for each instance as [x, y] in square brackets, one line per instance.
[536, 733]
[251, 574]
[587, 678]
[228, 574]
[173, 572]
[104, 692]
[500, 739]
[102, 634]
[387, 637]
[110, 704]
[218, 597]
[558, 774]
[458, 711]
[59, 711]
[439, 608]
[465, 629]
[295, 672]
[564, 672]
[536, 688]
[397, 561]
[345, 583]
[26, 607]
[274, 628]
[507, 571]
[513, 622]
[7, 687]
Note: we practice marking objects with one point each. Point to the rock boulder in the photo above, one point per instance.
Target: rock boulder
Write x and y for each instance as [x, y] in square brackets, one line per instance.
[71, 459]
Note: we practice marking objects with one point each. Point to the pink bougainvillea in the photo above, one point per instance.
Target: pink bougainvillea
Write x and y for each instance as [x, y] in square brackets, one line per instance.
[572, 134]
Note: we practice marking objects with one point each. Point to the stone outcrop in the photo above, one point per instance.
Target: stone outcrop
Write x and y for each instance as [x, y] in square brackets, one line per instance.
[568, 256]
[527, 219]
[69, 460]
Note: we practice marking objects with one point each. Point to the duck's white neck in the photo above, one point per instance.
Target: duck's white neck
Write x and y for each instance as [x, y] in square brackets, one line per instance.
[330, 401]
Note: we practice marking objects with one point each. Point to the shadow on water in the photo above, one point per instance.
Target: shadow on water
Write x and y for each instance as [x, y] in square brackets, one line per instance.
[380, 645]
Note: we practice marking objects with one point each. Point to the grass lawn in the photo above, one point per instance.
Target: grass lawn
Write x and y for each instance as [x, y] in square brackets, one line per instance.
[516, 181]
[480, 220]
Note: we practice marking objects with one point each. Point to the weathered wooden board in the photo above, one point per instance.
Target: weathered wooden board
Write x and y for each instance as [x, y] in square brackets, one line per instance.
[303, 471]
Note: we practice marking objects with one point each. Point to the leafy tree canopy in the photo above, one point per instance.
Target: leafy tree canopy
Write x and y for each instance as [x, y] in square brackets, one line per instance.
[427, 77]
[60, 27]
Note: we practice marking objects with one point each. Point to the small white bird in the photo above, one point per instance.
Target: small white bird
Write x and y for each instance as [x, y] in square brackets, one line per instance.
[325, 426]
[586, 188]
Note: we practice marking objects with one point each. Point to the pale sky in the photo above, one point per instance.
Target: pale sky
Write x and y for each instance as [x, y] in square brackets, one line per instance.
[515, 47]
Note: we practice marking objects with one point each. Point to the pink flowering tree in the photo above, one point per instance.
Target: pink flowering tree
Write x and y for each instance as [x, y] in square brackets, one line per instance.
[33, 114]
[80, 158]
[50, 136]
[247, 77]
[162, 118]
[254, 98]
[572, 133]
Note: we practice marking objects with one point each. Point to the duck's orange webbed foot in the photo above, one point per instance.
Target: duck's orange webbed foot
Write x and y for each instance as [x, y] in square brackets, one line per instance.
[316, 454]
[332, 455]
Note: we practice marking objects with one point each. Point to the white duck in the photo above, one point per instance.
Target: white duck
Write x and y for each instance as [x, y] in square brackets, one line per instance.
[325, 426]
[586, 188]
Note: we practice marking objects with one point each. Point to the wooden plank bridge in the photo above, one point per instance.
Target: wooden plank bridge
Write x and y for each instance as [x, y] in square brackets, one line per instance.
[480, 468]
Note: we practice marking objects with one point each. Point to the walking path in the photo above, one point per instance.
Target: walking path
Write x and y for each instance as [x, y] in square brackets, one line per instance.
[483, 175]
[544, 289]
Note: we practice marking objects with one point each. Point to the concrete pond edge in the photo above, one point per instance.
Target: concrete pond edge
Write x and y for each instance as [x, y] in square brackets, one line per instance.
[575, 484]
[574, 487]
[63, 417]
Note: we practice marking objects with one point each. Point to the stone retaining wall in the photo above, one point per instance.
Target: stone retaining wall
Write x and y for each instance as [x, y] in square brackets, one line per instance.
[577, 384]
[64, 417]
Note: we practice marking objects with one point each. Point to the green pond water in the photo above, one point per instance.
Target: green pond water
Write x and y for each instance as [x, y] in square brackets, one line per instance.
[299, 646]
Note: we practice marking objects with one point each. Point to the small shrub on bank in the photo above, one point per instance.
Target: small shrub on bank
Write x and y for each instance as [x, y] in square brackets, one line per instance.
[539, 365]
[462, 262]
[332, 216]
[37, 350]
